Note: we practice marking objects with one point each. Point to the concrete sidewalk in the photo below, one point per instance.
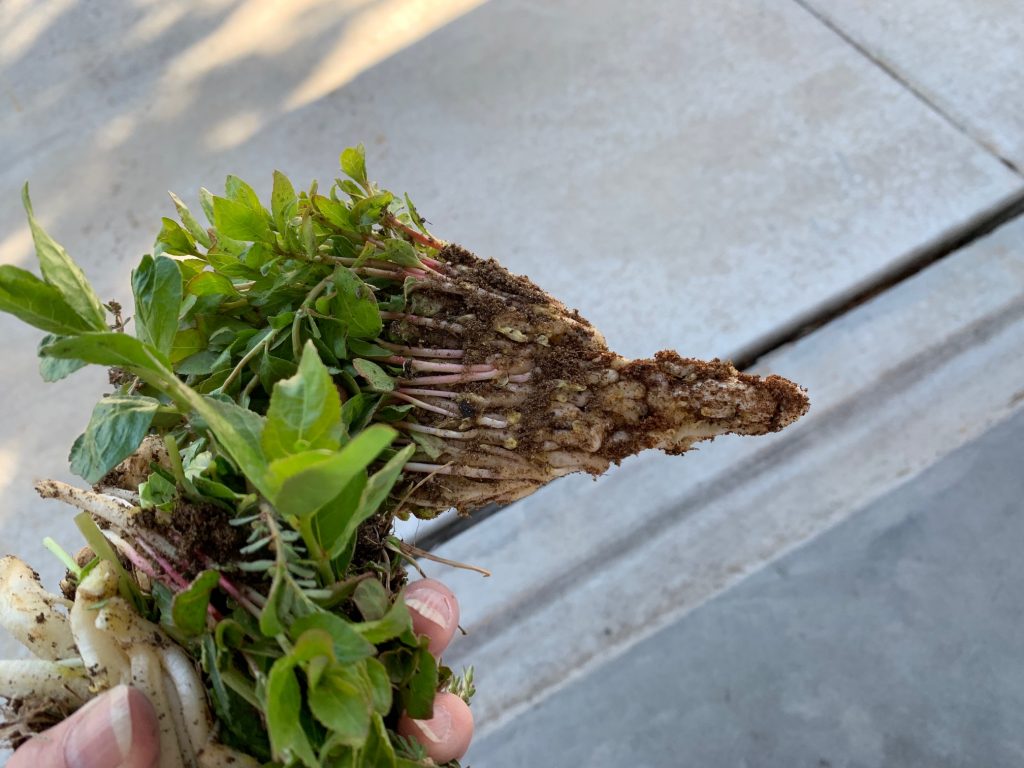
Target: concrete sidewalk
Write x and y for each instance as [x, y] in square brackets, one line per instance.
[895, 639]
[719, 178]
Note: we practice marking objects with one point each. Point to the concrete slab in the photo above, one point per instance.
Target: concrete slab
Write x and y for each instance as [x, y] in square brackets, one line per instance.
[963, 56]
[892, 640]
[895, 384]
[726, 169]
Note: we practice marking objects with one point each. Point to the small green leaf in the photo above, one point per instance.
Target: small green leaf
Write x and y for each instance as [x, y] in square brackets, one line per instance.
[156, 285]
[174, 239]
[211, 284]
[338, 703]
[157, 492]
[240, 222]
[317, 482]
[288, 739]
[237, 190]
[305, 410]
[194, 228]
[353, 163]
[186, 343]
[115, 349]
[63, 274]
[371, 599]
[336, 213]
[380, 686]
[189, 607]
[418, 699]
[53, 369]
[395, 623]
[376, 491]
[375, 376]
[400, 252]
[238, 431]
[355, 306]
[282, 201]
[28, 298]
[116, 429]
[370, 210]
[349, 645]
[378, 752]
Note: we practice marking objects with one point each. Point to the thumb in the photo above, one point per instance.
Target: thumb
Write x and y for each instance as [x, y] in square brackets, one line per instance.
[116, 730]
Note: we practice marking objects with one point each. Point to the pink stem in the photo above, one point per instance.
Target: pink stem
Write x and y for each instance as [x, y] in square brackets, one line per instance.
[424, 406]
[428, 392]
[449, 433]
[132, 554]
[180, 581]
[460, 378]
[420, 351]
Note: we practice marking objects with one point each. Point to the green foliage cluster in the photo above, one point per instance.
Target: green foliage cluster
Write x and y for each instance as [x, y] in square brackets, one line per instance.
[252, 352]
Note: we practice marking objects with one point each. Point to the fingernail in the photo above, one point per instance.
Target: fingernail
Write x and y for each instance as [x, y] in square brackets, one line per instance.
[438, 728]
[430, 603]
[102, 733]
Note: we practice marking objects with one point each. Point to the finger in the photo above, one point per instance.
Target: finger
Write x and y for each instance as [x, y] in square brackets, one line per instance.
[447, 734]
[115, 730]
[435, 612]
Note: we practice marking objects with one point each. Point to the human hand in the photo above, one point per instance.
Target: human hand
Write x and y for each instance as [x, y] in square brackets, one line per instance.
[435, 613]
[119, 728]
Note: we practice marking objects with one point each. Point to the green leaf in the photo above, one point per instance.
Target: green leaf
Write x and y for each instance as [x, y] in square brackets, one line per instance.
[156, 285]
[211, 284]
[349, 645]
[335, 212]
[353, 163]
[63, 274]
[333, 518]
[395, 623]
[116, 349]
[380, 685]
[371, 599]
[339, 704]
[288, 739]
[282, 201]
[375, 376]
[194, 228]
[378, 752]
[116, 429]
[240, 192]
[370, 210]
[401, 252]
[52, 369]
[157, 492]
[28, 298]
[189, 606]
[305, 410]
[376, 490]
[418, 699]
[355, 306]
[240, 222]
[237, 430]
[186, 343]
[306, 491]
[174, 239]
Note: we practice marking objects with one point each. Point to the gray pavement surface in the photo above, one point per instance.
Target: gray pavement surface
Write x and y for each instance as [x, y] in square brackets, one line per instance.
[895, 639]
[695, 175]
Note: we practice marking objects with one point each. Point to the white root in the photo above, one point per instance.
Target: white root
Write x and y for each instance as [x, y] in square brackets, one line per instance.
[216, 755]
[107, 664]
[189, 687]
[147, 676]
[112, 509]
[39, 678]
[31, 614]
